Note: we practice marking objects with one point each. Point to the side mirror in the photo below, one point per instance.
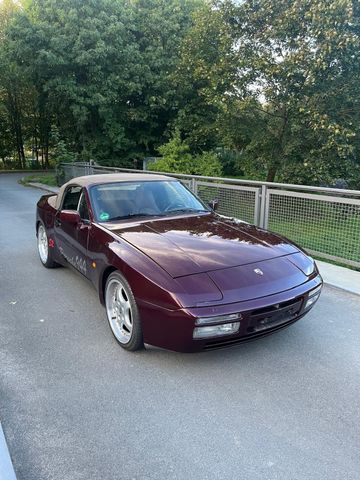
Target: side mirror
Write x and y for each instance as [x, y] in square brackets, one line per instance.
[69, 216]
[213, 204]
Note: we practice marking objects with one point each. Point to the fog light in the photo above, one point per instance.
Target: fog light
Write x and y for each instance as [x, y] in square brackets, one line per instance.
[217, 319]
[216, 330]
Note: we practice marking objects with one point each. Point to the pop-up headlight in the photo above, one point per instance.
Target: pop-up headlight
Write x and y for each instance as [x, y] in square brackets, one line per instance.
[305, 263]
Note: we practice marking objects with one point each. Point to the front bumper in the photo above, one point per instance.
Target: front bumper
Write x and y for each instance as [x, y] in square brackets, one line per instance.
[173, 329]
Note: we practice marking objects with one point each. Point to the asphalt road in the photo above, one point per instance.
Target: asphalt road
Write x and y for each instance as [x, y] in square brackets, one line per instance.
[74, 405]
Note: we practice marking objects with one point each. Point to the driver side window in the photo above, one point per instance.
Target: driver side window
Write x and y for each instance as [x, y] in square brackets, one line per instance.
[71, 199]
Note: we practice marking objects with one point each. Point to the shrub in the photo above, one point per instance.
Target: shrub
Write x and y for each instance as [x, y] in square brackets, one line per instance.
[176, 158]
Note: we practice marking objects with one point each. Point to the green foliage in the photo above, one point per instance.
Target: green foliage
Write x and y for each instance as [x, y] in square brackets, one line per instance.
[60, 150]
[99, 71]
[176, 158]
[207, 163]
[46, 179]
[15, 89]
[271, 87]
[158, 28]
[6, 141]
[205, 72]
[298, 62]
[277, 81]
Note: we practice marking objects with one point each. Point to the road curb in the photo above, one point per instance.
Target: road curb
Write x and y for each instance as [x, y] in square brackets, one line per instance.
[340, 277]
[6, 467]
[41, 186]
[4, 172]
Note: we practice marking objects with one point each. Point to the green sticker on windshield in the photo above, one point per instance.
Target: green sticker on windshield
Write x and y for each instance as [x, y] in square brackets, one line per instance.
[104, 216]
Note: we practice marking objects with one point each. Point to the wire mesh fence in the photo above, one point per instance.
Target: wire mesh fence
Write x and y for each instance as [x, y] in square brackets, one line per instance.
[328, 226]
[324, 221]
[234, 200]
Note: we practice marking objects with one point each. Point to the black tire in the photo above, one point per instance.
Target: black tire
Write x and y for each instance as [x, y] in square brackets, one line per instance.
[45, 252]
[122, 312]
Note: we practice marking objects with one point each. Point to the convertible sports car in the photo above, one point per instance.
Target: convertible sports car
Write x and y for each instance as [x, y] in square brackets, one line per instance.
[169, 270]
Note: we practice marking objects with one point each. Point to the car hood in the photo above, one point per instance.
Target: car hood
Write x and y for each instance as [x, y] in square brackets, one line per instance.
[201, 243]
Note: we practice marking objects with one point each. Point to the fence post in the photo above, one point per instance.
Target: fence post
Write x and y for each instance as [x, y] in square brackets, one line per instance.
[91, 170]
[267, 208]
[257, 207]
[263, 207]
[193, 185]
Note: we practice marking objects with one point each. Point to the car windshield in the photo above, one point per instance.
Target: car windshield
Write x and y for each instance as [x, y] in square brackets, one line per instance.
[122, 200]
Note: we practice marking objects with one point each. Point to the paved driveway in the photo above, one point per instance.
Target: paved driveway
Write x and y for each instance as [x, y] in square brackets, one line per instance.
[74, 405]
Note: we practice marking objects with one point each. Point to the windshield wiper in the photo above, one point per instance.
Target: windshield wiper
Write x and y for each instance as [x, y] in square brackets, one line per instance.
[132, 215]
[170, 212]
[186, 210]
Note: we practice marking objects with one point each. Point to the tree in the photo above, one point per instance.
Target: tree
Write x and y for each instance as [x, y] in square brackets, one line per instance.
[274, 85]
[205, 74]
[277, 81]
[159, 28]
[83, 61]
[13, 86]
[299, 61]
[100, 72]
[6, 142]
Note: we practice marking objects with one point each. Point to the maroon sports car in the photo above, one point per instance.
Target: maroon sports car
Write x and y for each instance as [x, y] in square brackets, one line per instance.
[169, 270]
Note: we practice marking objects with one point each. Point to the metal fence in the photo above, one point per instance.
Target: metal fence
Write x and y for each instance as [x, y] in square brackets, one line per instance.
[325, 221]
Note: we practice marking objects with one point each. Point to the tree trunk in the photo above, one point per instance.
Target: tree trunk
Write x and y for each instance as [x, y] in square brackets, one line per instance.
[47, 154]
[272, 170]
[36, 148]
[278, 151]
[22, 157]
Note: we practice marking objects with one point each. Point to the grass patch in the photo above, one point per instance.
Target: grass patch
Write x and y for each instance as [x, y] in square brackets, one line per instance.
[46, 179]
[330, 228]
[341, 240]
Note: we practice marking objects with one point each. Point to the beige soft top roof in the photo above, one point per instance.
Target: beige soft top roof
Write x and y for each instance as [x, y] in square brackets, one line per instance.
[89, 180]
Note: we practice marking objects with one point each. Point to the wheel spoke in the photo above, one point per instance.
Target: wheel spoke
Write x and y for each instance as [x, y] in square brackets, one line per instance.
[119, 312]
[42, 244]
[122, 297]
[127, 319]
[116, 294]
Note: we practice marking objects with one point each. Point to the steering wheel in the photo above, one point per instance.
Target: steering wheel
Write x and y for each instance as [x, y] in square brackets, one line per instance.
[173, 206]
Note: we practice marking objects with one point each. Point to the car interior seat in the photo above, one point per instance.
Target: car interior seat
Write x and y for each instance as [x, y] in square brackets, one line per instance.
[145, 201]
[115, 204]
